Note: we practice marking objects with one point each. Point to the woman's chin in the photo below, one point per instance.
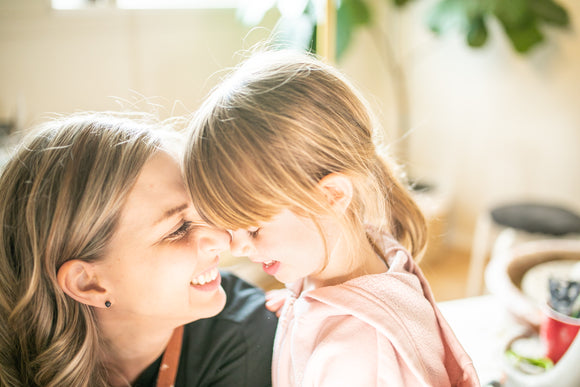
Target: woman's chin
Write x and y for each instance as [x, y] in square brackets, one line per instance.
[211, 306]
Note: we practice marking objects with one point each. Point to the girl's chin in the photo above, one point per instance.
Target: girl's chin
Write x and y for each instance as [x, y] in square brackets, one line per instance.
[285, 278]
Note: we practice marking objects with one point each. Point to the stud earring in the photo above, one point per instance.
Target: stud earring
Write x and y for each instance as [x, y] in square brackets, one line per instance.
[108, 304]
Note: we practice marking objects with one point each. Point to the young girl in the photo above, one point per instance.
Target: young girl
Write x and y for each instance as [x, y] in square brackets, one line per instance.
[103, 260]
[282, 152]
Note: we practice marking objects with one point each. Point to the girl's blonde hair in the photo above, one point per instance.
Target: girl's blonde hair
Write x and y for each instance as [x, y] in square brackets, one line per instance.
[61, 195]
[272, 130]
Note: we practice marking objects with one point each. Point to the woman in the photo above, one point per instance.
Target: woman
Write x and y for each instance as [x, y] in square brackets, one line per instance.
[103, 258]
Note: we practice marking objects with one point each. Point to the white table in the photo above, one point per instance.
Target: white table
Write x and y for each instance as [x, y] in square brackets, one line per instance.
[483, 327]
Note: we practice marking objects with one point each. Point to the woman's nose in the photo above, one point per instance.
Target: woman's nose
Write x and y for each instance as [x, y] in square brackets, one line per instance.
[241, 245]
[214, 241]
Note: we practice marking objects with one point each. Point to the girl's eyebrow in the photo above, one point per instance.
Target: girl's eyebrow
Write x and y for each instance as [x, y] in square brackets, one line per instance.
[172, 211]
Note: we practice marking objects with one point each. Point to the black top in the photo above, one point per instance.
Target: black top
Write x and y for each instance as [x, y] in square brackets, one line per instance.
[233, 348]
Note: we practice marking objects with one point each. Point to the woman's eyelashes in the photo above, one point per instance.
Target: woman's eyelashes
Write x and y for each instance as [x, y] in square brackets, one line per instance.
[180, 233]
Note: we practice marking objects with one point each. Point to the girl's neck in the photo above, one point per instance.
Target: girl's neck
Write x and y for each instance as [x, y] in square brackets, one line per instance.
[132, 347]
[343, 266]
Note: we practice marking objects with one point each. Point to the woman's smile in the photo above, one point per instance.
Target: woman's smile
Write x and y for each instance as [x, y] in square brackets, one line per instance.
[208, 281]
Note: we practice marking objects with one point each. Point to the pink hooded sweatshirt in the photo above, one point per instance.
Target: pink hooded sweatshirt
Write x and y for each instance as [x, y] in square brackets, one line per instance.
[375, 330]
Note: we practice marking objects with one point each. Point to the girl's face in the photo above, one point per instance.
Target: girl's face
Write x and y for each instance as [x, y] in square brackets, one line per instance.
[162, 261]
[289, 247]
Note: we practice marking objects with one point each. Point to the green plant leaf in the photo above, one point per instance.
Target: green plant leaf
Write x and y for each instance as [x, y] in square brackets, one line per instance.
[512, 13]
[350, 15]
[445, 15]
[343, 35]
[519, 23]
[550, 12]
[400, 3]
[477, 32]
[312, 47]
[520, 19]
[458, 14]
[357, 11]
[523, 39]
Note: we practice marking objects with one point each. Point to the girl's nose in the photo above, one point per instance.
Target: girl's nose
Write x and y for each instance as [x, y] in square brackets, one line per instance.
[241, 245]
[214, 240]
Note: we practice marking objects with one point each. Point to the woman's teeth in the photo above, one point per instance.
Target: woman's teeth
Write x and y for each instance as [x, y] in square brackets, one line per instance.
[269, 263]
[206, 277]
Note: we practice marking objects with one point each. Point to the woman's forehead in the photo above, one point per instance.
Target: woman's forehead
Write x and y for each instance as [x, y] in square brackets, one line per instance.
[159, 191]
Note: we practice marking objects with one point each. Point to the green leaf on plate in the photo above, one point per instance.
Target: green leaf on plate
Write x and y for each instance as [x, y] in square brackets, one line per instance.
[543, 362]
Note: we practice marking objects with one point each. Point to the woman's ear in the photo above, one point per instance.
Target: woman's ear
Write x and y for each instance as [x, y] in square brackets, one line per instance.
[338, 190]
[78, 280]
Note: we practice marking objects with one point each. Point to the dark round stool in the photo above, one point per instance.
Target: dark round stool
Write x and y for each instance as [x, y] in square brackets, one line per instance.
[537, 219]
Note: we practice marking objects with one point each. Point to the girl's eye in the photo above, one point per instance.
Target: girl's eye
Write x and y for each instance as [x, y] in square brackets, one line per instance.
[180, 233]
[253, 233]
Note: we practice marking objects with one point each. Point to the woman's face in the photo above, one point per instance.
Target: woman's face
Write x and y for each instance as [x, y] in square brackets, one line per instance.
[162, 261]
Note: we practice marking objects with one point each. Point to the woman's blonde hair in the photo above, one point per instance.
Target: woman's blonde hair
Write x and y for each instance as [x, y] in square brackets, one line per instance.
[272, 130]
[60, 199]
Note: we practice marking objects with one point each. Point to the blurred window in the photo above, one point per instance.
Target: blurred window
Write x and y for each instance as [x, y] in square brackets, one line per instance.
[142, 4]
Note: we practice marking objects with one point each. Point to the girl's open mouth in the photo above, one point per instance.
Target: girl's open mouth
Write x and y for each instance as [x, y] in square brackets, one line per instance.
[270, 267]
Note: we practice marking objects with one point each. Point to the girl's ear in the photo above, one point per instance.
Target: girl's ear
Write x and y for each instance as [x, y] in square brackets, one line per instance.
[78, 280]
[338, 190]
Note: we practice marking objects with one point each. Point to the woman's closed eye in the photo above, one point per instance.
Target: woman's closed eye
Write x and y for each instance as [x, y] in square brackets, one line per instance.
[180, 233]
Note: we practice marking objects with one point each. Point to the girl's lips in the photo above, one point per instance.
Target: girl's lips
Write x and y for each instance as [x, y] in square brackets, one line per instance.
[271, 267]
[208, 286]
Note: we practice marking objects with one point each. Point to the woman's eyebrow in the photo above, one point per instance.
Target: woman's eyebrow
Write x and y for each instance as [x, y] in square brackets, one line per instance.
[172, 211]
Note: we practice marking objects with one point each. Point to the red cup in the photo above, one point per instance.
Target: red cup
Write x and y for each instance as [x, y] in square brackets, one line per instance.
[557, 332]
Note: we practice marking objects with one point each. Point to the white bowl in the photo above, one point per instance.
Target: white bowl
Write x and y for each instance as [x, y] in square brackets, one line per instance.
[506, 271]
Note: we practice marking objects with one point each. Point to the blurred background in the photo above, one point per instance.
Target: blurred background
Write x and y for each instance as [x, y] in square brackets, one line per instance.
[478, 99]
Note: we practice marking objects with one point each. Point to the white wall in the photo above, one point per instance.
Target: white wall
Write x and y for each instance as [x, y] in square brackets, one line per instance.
[66, 61]
[497, 126]
[488, 125]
